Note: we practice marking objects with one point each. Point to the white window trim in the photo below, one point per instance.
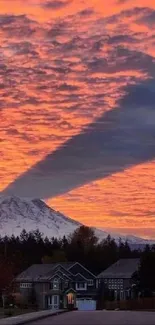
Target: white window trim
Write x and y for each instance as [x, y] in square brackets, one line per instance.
[81, 289]
[90, 282]
[25, 285]
[55, 284]
[122, 294]
[57, 300]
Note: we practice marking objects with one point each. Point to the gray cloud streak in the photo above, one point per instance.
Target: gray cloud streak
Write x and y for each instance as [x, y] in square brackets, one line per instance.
[120, 139]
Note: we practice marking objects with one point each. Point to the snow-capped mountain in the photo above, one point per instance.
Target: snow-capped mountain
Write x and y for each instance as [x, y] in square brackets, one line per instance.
[18, 213]
[135, 242]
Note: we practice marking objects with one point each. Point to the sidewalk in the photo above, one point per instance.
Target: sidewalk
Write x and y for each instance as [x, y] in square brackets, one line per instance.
[27, 318]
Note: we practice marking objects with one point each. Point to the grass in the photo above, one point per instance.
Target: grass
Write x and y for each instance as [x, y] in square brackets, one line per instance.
[8, 312]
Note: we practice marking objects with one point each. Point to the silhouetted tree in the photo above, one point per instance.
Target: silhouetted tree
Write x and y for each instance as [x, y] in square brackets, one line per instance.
[18, 253]
[57, 256]
[145, 277]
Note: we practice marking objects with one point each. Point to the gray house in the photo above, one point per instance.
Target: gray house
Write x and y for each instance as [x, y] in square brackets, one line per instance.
[58, 285]
[118, 277]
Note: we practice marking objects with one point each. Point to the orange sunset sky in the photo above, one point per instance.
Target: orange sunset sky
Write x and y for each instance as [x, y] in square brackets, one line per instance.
[77, 109]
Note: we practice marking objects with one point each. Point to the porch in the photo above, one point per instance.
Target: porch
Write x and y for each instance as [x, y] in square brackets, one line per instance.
[57, 301]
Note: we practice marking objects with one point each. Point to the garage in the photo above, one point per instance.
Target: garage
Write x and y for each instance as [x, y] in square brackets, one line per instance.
[86, 304]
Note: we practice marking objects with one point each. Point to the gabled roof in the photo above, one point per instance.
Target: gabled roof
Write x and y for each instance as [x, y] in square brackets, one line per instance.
[70, 290]
[122, 269]
[59, 275]
[79, 277]
[43, 272]
[34, 272]
[65, 265]
[57, 268]
[85, 272]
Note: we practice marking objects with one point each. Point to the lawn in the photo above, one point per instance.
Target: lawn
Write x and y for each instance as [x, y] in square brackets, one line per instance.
[14, 312]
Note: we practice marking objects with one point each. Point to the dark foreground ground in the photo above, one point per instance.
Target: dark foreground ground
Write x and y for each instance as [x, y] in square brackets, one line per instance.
[100, 318]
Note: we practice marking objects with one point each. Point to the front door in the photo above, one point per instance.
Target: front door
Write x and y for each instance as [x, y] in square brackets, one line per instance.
[53, 302]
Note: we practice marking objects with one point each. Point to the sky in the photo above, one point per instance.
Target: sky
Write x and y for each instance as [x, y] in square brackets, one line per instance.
[77, 109]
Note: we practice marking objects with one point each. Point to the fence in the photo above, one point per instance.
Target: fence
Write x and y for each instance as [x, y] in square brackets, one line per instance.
[135, 304]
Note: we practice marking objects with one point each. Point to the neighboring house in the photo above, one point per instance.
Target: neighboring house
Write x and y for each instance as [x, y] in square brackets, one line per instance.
[58, 285]
[118, 277]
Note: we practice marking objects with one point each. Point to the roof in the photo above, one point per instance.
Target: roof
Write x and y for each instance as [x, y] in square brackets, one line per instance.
[123, 268]
[80, 277]
[37, 271]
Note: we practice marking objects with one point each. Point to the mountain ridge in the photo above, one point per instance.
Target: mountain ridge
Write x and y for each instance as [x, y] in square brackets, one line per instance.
[18, 213]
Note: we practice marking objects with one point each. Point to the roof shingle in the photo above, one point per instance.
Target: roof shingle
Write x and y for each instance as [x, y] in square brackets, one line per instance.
[38, 271]
[122, 269]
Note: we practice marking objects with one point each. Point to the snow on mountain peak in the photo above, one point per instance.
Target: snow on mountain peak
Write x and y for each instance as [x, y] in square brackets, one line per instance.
[18, 213]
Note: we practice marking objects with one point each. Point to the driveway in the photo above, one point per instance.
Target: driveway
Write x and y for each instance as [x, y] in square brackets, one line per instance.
[100, 318]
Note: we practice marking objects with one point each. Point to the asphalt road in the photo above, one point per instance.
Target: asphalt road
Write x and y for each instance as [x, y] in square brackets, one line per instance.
[100, 318]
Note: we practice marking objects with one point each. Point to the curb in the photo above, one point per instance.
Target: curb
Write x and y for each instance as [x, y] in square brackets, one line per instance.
[27, 321]
[13, 321]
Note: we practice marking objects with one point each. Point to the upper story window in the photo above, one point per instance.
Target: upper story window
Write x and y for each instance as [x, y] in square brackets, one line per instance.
[81, 286]
[90, 282]
[55, 284]
[25, 285]
[66, 283]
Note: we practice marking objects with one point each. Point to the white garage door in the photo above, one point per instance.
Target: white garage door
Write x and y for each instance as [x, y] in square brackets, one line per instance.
[86, 304]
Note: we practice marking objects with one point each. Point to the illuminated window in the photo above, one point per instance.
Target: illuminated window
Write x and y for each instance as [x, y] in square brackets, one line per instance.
[55, 284]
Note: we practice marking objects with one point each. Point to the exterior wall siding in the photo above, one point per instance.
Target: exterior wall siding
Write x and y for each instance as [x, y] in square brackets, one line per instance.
[44, 290]
[41, 291]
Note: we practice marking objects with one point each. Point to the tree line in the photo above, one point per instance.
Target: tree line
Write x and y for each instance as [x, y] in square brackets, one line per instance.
[19, 252]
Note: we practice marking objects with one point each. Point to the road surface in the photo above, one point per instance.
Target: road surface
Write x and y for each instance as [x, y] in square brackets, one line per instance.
[100, 318]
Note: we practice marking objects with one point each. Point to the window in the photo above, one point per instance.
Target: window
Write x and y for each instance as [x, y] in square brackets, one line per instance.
[81, 286]
[55, 284]
[55, 300]
[90, 282]
[66, 283]
[25, 285]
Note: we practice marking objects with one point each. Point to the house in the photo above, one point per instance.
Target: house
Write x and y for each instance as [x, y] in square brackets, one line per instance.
[58, 285]
[118, 277]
